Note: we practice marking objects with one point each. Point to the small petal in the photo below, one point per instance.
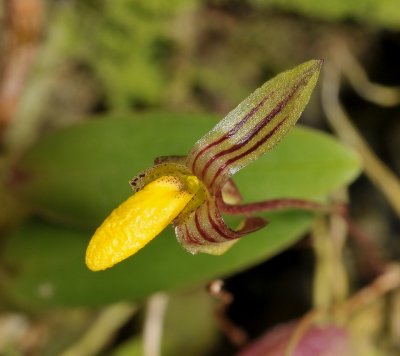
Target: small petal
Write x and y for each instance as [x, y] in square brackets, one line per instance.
[138, 220]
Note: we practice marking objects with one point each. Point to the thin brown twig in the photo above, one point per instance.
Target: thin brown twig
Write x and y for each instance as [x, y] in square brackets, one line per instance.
[235, 334]
[385, 283]
[376, 170]
[375, 263]
[376, 93]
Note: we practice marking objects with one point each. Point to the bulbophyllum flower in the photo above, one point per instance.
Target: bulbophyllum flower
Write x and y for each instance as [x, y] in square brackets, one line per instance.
[192, 191]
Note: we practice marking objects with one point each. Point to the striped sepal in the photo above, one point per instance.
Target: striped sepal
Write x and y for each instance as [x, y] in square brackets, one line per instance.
[203, 230]
[254, 126]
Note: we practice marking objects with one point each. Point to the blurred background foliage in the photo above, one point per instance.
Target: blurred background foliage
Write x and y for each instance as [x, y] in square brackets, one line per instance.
[116, 68]
[180, 54]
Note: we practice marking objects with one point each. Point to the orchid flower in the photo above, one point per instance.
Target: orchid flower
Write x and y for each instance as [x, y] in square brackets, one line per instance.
[193, 191]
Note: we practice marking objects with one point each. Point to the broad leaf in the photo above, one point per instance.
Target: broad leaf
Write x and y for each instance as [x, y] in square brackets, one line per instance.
[78, 175]
[49, 263]
[81, 173]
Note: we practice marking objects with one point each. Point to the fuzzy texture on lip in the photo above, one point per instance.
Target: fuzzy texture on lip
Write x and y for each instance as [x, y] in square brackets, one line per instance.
[138, 220]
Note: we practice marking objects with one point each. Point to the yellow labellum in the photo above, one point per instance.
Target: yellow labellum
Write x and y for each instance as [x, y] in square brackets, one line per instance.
[138, 220]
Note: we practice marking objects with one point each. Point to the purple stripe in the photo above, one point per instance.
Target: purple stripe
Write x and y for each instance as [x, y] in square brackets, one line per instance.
[190, 238]
[231, 132]
[306, 76]
[203, 233]
[217, 227]
[265, 121]
[245, 153]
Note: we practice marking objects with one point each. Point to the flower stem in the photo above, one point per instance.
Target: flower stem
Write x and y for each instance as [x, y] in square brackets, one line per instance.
[278, 204]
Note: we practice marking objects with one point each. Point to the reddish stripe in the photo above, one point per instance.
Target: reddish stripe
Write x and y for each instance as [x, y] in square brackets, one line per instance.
[265, 121]
[190, 238]
[245, 153]
[262, 124]
[231, 132]
[203, 233]
[216, 226]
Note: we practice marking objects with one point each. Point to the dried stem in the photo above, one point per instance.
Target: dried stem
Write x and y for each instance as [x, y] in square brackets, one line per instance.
[374, 262]
[358, 78]
[387, 282]
[375, 169]
[235, 334]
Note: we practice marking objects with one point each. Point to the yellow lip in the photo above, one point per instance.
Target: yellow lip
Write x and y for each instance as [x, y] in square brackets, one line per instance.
[138, 220]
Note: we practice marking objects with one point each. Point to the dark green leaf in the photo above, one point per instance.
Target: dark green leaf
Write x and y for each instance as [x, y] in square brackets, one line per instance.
[50, 270]
[80, 174]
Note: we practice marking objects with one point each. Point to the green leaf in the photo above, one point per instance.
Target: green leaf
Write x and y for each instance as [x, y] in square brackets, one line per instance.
[306, 164]
[78, 175]
[49, 268]
[81, 173]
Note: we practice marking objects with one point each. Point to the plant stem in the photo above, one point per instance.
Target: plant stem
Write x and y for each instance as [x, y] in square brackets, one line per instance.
[375, 169]
[273, 205]
[108, 322]
[358, 78]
